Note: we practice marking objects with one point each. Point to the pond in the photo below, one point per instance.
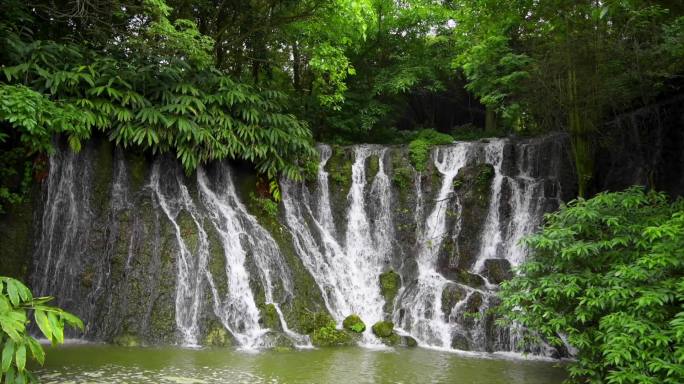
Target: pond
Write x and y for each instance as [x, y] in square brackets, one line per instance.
[94, 364]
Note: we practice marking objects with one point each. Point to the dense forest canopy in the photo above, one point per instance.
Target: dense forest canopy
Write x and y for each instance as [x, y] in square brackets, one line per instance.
[259, 80]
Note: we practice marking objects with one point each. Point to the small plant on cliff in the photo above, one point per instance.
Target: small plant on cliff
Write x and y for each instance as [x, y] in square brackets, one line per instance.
[419, 147]
[16, 345]
[608, 274]
[266, 205]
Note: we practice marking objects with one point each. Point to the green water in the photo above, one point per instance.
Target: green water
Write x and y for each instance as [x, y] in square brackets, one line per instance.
[108, 364]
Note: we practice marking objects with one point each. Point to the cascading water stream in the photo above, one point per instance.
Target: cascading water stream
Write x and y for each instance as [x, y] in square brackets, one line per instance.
[421, 306]
[347, 274]
[491, 235]
[191, 264]
[242, 235]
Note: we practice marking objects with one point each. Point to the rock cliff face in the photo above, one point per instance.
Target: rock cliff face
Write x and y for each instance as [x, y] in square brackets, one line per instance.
[147, 254]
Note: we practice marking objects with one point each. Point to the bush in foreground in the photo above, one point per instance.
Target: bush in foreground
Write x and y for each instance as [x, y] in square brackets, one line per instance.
[607, 275]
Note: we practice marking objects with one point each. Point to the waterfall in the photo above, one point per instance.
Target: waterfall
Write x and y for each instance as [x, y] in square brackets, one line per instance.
[348, 274]
[241, 235]
[171, 257]
[421, 304]
[191, 263]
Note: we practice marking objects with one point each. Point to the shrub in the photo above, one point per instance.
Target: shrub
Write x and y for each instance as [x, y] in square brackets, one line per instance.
[608, 275]
[419, 147]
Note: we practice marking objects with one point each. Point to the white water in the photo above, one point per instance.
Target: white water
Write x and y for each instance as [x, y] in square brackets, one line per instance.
[348, 274]
[191, 263]
[422, 305]
[345, 255]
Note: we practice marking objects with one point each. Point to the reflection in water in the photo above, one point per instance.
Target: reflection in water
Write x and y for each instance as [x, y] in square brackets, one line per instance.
[106, 364]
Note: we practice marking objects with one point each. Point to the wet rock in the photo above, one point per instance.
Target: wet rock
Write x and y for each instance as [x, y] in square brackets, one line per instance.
[390, 282]
[460, 341]
[408, 342]
[497, 270]
[353, 323]
[451, 295]
[383, 328]
[278, 341]
[269, 317]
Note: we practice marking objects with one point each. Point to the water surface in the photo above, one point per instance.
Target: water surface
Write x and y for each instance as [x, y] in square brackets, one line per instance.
[97, 364]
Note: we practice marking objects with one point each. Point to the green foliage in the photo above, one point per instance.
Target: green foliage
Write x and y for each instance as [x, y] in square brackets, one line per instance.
[311, 321]
[565, 64]
[419, 147]
[607, 274]
[354, 323]
[329, 335]
[16, 345]
[267, 206]
[383, 329]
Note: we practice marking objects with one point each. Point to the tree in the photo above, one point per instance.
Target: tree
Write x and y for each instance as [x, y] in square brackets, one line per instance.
[607, 276]
[567, 64]
[16, 344]
[154, 88]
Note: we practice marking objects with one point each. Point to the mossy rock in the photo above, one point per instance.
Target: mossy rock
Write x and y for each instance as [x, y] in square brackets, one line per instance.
[408, 342]
[278, 341]
[452, 294]
[383, 329]
[311, 321]
[329, 336]
[353, 323]
[269, 316]
[390, 282]
[497, 270]
[126, 340]
[460, 341]
[373, 167]
[218, 337]
[474, 303]
[393, 340]
[339, 168]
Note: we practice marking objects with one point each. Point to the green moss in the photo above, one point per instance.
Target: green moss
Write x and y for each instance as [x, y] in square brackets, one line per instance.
[217, 336]
[266, 206]
[311, 321]
[329, 336]
[126, 340]
[383, 329]
[188, 230]
[390, 282]
[217, 259]
[339, 168]
[269, 316]
[137, 170]
[482, 184]
[354, 323]
[419, 147]
[451, 295]
[373, 167]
